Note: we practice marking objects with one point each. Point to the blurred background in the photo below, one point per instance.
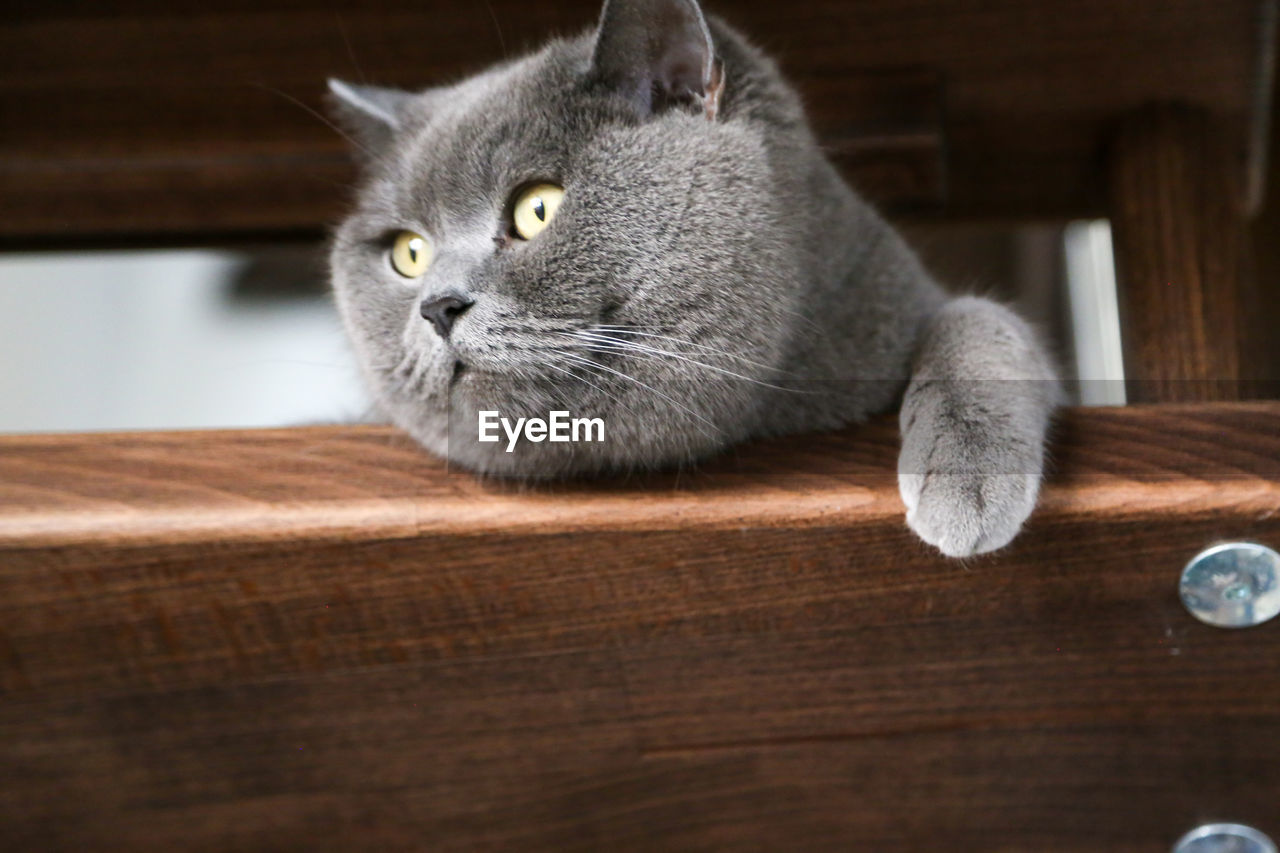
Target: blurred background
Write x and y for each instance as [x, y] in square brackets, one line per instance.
[246, 337]
[173, 338]
[167, 176]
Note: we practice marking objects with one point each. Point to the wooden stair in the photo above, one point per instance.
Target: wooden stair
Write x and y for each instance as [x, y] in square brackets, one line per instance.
[323, 638]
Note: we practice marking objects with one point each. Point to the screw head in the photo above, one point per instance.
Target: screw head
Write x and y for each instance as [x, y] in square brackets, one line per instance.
[1224, 838]
[1235, 585]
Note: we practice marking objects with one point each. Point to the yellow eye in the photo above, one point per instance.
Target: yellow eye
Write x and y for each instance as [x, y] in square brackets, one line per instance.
[535, 207]
[411, 254]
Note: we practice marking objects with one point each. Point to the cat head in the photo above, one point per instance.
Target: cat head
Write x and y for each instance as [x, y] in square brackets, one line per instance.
[601, 227]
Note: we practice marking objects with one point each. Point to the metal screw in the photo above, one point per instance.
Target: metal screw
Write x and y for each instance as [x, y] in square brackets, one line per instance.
[1236, 585]
[1224, 838]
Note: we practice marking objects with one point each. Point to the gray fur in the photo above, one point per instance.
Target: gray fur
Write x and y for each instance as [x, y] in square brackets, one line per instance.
[708, 278]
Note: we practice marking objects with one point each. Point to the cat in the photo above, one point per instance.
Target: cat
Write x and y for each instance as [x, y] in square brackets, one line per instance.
[637, 225]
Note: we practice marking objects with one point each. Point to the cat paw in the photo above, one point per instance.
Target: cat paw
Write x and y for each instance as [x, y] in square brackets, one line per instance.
[973, 422]
[963, 513]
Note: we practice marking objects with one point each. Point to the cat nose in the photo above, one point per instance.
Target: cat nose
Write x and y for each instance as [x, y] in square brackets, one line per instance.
[442, 311]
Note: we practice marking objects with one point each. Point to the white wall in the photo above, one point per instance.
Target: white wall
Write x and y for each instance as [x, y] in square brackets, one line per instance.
[146, 340]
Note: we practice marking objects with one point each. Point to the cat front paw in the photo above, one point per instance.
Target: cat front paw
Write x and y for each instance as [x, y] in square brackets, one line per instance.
[963, 513]
[974, 418]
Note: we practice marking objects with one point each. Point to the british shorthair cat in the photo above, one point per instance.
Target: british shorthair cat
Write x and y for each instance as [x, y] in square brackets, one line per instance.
[637, 227]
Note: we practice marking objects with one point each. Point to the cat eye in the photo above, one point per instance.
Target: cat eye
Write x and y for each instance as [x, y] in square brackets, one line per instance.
[534, 208]
[410, 254]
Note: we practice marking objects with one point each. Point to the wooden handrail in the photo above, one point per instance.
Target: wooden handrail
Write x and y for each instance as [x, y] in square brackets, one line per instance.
[323, 638]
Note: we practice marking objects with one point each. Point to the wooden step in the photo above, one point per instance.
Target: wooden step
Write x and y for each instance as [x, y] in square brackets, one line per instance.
[324, 638]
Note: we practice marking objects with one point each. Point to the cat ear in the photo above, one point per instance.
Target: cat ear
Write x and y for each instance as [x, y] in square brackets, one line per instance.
[372, 114]
[657, 52]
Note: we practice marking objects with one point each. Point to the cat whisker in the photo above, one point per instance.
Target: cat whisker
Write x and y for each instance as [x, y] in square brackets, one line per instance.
[584, 380]
[587, 362]
[721, 353]
[606, 343]
[537, 357]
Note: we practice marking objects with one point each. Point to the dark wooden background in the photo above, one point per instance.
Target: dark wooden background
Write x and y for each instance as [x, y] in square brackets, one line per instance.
[154, 118]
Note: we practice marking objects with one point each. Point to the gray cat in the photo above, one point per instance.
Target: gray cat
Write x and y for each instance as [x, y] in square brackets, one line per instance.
[637, 226]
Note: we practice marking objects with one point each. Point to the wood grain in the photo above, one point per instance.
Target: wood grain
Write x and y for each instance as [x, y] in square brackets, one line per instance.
[323, 638]
[146, 117]
[1265, 246]
[1182, 260]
